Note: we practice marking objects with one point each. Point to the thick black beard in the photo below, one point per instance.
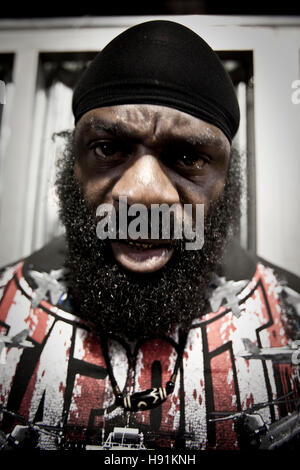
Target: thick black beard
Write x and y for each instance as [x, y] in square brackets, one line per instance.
[120, 302]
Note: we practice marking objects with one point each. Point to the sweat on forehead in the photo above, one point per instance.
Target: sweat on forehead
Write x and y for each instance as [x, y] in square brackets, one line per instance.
[163, 63]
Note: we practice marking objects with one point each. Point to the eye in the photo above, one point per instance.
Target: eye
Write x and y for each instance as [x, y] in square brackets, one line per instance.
[105, 149]
[191, 160]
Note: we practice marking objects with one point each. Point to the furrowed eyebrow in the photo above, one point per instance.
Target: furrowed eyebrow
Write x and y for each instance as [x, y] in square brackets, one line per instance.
[122, 130]
[197, 141]
[114, 128]
[208, 140]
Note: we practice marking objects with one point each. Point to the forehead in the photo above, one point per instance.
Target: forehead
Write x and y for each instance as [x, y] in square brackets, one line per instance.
[154, 122]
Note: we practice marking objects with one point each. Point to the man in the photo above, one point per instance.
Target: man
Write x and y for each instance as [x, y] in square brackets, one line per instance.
[138, 339]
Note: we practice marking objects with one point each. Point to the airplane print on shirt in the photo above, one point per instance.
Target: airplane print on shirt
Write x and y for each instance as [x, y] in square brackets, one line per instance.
[64, 378]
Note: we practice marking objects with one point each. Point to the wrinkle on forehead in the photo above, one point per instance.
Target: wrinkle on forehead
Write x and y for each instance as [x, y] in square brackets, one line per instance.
[156, 120]
[152, 119]
[153, 115]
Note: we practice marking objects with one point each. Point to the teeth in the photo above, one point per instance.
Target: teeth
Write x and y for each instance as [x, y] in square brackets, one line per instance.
[140, 245]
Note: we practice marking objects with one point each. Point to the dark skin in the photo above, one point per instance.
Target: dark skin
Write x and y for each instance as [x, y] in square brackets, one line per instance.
[151, 154]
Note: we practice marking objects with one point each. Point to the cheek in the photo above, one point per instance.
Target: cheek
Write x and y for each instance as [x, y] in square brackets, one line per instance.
[95, 188]
[205, 192]
[214, 188]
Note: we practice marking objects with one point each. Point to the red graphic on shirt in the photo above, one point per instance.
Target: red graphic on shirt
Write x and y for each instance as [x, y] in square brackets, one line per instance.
[65, 376]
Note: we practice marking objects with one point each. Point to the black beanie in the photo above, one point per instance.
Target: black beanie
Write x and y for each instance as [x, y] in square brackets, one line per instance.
[164, 63]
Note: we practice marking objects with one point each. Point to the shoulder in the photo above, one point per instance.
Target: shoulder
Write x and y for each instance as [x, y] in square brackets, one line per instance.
[39, 276]
[239, 263]
[280, 284]
[49, 257]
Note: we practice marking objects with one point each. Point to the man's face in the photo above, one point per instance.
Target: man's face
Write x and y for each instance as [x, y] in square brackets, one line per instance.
[152, 155]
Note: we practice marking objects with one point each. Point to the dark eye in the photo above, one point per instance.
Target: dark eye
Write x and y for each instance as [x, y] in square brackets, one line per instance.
[194, 161]
[106, 149]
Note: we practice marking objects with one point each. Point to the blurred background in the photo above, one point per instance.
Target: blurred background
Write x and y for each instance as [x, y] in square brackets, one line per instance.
[45, 48]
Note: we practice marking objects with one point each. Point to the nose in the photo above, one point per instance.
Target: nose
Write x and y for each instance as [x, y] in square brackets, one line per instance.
[146, 182]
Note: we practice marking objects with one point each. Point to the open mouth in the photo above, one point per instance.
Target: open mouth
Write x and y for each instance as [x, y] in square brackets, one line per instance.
[143, 256]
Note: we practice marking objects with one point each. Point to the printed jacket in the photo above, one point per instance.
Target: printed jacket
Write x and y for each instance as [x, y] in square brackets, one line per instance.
[62, 380]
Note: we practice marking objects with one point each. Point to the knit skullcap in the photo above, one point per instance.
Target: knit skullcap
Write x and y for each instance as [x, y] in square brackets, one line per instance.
[163, 63]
